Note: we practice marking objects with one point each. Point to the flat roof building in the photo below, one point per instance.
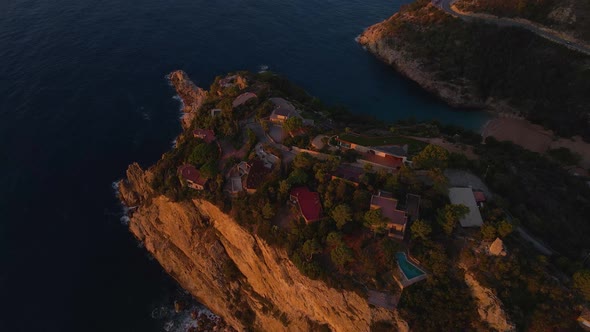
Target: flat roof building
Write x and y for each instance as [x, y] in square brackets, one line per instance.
[465, 196]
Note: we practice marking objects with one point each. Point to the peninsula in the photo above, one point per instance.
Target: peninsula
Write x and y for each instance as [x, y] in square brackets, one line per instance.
[280, 213]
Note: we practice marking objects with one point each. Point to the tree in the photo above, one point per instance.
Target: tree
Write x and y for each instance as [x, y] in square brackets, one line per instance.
[334, 239]
[209, 170]
[284, 187]
[488, 232]
[582, 283]
[203, 153]
[268, 211]
[341, 255]
[310, 248]
[298, 176]
[420, 230]
[432, 156]
[375, 221]
[504, 228]
[448, 216]
[303, 161]
[341, 214]
[293, 123]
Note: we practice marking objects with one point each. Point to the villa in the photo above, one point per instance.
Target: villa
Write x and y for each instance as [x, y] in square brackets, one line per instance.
[397, 219]
[389, 156]
[349, 174]
[206, 135]
[308, 203]
[257, 173]
[282, 114]
[465, 196]
[192, 177]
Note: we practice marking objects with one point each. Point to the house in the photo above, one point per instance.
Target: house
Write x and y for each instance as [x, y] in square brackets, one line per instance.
[192, 177]
[584, 319]
[242, 99]
[465, 196]
[206, 135]
[308, 202]
[216, 111]
[480, 198]
[396, 219]
[390, 156]
[257, 173]
[390, 151]
[282, 114]
[349, 174]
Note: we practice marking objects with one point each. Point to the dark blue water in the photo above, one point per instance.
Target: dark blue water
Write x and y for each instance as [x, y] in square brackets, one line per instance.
[83, 94]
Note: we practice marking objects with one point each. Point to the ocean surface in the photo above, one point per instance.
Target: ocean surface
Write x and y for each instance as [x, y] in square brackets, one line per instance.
[83, 94]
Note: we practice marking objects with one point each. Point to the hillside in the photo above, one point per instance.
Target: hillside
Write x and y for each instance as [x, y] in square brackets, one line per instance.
[474, 65]
[570, 16]
[333, 228]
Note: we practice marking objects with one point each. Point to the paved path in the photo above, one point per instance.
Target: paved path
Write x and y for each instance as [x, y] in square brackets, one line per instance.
[552, 35]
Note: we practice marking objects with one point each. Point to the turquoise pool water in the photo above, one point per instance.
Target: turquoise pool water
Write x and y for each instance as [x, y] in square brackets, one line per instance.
[409, 269]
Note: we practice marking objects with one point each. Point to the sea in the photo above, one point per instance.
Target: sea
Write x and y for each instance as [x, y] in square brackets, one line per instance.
[83, 94]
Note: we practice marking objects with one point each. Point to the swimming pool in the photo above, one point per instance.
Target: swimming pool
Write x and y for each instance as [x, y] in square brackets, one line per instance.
[409, 270]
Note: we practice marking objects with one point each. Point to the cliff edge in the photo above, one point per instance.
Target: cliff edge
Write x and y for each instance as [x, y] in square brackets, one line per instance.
[236, 274]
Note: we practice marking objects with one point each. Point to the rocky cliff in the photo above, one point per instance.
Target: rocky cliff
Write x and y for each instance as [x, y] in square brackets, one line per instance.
[201, 247]
[477, 64]
[191, 95]
[393, 49]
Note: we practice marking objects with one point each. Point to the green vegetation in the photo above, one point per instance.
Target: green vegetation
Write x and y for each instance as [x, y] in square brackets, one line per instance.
[538, 11]
[347, 248]
[545, 81]
[431, 157]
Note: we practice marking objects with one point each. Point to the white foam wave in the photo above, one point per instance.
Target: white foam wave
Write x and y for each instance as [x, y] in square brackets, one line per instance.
[263, 68]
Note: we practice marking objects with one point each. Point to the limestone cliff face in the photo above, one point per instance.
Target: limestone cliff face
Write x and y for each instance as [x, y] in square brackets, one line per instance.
[195, 241]
[392, 50]
[489, 307]
[191, 95]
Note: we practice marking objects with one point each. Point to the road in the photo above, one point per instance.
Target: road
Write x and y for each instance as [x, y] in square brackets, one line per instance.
[447, 6]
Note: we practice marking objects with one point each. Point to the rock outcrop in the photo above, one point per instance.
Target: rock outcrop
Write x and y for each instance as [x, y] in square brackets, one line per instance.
[198, 244]
[391, 49]
[191, 95]
[489, 307]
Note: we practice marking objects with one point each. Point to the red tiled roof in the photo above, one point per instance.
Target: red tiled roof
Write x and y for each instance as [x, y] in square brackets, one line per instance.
[256, 175]
[190, 173]
[206, 135]
[479, 196]
[309, 203]
[389, 209]
[387, 161]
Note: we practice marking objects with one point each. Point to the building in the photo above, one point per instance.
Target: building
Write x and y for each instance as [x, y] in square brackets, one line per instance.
[242, 99]
[349, 174]
[465, 196]
[282, 114]
[480, 198]
[389, 156]
[308, 202]
[192, 177]
[206, 135]
[256, 176]
[396, 219]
